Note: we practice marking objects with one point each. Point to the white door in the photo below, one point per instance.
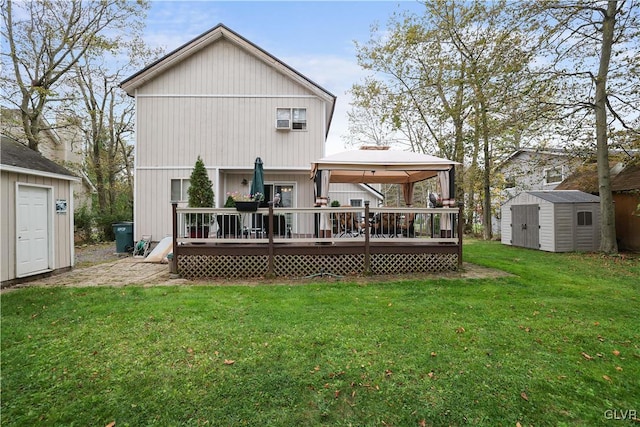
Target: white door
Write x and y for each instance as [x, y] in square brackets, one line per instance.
[32, 229]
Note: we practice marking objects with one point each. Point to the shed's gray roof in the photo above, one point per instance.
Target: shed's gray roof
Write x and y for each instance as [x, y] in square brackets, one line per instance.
[565, 196]
[15, 154]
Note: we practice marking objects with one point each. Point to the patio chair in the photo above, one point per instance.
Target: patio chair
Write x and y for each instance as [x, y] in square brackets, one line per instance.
[228, 225]
[407, 227]
[386, 224]
[348, 224]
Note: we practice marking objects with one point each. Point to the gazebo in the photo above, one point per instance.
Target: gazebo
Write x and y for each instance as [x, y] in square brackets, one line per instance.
[381, 165]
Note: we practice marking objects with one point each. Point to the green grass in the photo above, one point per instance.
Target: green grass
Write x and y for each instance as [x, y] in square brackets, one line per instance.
[557, 343]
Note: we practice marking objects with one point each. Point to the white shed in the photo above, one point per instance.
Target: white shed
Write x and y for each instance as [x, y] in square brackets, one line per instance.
[36, 214]
[553, 221]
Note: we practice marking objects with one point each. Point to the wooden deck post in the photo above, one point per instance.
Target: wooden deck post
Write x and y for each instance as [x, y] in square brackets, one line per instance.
[460, 233]
[174, 260]
[270, 270]
[367, 245]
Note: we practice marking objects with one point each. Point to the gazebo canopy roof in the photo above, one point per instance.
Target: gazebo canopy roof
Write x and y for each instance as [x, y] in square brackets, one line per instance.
[379, 165]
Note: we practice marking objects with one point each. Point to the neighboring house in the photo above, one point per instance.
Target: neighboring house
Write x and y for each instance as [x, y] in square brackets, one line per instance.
[223, 98]
[553, 221]
[356, 194]
[529, 169]
[625, 186]
[36, 213]
[63, 146]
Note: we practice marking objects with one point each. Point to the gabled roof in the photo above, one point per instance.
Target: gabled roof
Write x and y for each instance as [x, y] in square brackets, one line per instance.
[549, 151]
[625, 178]
[17, 157]
[205, 39]
[565, 196]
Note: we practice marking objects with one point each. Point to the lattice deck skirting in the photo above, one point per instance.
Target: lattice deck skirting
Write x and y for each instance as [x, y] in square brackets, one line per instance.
[252, 266]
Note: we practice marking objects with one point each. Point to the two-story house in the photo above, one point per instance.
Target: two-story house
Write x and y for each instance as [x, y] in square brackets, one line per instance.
[223, 98]
[531, 169]
[62, 146]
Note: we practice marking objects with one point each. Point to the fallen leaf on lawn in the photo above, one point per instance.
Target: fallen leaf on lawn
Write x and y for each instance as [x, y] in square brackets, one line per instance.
[337, 393]
[586, 356]
[460, 330]
[524, 396]
[596, 323]
[606, 377]
[229, 362]
[422, 423]
[616, 353]
[518, 424]
[618, 368]
[431, 374]
[433, 354]
[388, 372]
[111, 424]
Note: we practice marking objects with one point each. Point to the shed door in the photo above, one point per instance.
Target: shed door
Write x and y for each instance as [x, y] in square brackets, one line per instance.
[525, 226]
[32, 230]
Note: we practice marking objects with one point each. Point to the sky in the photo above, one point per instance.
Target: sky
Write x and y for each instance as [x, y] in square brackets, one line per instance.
[316, 38]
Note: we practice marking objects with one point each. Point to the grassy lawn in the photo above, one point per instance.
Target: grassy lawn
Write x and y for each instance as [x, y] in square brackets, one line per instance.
[558, 343]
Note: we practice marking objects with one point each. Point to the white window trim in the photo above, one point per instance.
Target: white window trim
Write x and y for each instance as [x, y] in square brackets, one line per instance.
[289, 119]
[183, 192]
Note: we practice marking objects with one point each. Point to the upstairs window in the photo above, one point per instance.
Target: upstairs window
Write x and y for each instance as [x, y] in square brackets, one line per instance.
[552, 175]
[291, 118]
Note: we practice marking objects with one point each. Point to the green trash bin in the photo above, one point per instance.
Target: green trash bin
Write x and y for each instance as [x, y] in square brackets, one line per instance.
[124, 236]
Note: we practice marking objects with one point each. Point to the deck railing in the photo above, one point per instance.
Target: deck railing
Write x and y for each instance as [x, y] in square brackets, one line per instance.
[365, 227]
[227, 225]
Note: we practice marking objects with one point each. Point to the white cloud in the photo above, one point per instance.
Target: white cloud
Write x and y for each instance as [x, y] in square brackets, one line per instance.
[336, 74]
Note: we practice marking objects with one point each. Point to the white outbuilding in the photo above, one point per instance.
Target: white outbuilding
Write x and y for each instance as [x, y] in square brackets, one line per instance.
[553, 221]
[36, 214]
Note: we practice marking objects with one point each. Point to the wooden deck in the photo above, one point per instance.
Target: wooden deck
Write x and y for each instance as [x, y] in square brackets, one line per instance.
[300, 251]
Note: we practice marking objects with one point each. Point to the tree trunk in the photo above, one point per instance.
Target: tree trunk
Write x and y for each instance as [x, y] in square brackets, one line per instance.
[608, 242]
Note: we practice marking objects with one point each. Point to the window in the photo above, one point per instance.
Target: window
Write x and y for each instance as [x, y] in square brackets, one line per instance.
[291, 118]
[357, 203]
[299, 119]
[179, 189]
[510, 182]
[585, 218]
[552, 175]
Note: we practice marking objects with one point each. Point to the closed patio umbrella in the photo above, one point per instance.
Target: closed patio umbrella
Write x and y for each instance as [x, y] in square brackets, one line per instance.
[257, 183]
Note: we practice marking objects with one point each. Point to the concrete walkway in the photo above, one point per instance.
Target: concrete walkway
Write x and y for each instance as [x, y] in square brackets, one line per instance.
[126, 271]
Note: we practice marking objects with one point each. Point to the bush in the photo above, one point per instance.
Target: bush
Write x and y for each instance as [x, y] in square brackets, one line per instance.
[84, 221]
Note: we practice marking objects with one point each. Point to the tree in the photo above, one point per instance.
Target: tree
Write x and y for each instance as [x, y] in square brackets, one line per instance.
[47, 39]
[592, 49]
[455, 79]
[200, 190]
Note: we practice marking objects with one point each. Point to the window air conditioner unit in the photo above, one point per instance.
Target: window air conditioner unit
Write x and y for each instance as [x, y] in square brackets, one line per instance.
[283, 124]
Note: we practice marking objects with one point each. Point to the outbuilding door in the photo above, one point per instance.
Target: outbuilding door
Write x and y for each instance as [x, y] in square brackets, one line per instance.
[525, 226]
[33, 238]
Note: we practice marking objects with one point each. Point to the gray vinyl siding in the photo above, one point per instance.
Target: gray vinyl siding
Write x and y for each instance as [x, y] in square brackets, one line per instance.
[220, 103]
[153, 195]
[548, 226]
[505, 224]
[565, 228]
[587, 238]
[61, 234]
[229, 132]
[343, 192]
